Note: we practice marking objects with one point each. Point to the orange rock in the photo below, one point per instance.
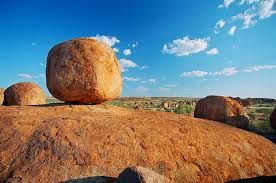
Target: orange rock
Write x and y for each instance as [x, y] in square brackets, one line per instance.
[1, 95]
[222, 109]
[59, 143]
[273, 119]
[83, 70]
[25, 93]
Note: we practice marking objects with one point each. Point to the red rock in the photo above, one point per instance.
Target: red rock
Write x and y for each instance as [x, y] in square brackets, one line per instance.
[140, 175]
[83, 70]
[273, 119]
[222, 109]
[59, 143]
[244, 102]
[25, 93]
[1, 95]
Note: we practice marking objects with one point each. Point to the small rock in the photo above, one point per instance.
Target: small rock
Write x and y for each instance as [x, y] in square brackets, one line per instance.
[140, 175]
[24, 93]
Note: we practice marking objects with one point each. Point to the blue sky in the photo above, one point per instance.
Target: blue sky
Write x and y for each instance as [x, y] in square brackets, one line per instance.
[169, 48]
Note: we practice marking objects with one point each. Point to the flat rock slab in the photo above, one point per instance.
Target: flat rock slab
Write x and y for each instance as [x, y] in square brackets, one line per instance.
[68, 142]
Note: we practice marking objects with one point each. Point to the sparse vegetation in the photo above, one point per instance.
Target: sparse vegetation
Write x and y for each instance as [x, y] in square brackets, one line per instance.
[185, 110]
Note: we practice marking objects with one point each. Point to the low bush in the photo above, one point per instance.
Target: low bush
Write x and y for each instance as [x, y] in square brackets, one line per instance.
[185, 110]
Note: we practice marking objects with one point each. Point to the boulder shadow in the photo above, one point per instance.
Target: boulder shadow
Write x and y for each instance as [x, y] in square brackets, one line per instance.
[95, 179]
[261, 179]
[62, 104]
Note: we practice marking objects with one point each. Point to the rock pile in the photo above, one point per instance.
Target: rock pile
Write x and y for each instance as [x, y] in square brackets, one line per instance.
[61, 143]
[1, 95]
[273, 119]
[222, 109]
[25, 93]
[84, 71]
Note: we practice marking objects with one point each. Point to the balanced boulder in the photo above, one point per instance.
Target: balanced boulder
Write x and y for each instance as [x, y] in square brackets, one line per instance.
[222, 109]
[25, 93]
[1, 96]
[140, 175]
[83, 70]
[273, 119]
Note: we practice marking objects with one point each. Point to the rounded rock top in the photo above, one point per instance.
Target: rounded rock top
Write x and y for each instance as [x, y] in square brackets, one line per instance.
[25, 93]
[222, 109]
[83, 70]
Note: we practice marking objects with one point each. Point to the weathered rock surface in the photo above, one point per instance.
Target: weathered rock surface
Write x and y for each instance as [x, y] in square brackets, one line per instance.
[244, 102]
[83, 70]
[222, 109]
[1, 95]
[25, 93]
[273, 119]
[140, 175]
[60, 143]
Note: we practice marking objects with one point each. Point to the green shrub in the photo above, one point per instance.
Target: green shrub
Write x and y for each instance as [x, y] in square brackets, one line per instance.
[265, 111]
[252, 116]
[185, 109]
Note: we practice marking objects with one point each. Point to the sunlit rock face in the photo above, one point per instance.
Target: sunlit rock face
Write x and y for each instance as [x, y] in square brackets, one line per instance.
[83, 70]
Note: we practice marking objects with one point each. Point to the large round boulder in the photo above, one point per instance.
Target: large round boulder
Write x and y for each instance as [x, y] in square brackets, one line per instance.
[1, 95]
[222, 109]
[25, 93]
[273, 119]
[83, 70]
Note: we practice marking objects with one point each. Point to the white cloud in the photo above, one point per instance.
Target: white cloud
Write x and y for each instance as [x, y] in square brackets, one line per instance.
[29, 76]
[34, 44]
[131, 79]
[265, 9]
[116, 50]
[127, 52]
[213, 51]
[220, 24]
[194, 74]
[229, 71]
[226, 72]
[232, 30]
[185, 46]
[152, 80]
[109, 40]
[259, 67]
[247, 18]
[258, 9]
[216, 32]
[144, 67]
[25, 76]
[169, 86]
[125, 64]
[135, 44]
[248, 2]
[226, 3]
[41, 64]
